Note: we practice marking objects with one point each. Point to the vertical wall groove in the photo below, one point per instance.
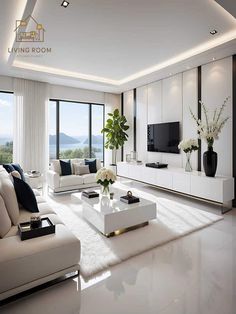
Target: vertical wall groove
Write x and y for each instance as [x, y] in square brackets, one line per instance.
[122, 112]
[135, 117]
[234, 127]
[199, 113]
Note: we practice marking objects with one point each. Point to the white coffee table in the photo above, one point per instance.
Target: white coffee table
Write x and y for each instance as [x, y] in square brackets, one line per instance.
[113, 217]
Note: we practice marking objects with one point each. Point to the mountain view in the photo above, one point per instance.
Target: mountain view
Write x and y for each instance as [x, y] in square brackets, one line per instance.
[64, 139]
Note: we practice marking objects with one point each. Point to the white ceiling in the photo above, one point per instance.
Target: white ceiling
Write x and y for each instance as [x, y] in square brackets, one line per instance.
[115, 45]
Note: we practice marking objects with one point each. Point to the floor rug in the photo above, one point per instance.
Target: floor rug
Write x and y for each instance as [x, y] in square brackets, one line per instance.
[98, 253]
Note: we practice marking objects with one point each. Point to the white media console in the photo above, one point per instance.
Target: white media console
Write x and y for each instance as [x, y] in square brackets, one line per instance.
[219, 189]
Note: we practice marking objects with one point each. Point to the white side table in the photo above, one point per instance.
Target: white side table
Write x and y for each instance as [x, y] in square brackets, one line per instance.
[34, 180]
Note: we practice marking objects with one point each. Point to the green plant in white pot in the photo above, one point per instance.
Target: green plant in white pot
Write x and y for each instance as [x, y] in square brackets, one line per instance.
[115, 131]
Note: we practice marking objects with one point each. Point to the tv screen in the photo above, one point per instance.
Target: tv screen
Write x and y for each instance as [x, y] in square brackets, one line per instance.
[163, 137]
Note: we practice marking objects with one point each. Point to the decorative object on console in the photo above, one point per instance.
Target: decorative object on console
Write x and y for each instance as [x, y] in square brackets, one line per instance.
[25, 195]
[157, 164]
[129, 198]
[134, 156]
[115, 130]
[139, 162]
[128, 158]
[188, 146]
[65, 167]
[209, 130]
[105, 177]
[92, 165]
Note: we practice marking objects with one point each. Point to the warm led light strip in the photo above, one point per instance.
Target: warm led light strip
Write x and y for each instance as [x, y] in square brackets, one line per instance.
[181, 57]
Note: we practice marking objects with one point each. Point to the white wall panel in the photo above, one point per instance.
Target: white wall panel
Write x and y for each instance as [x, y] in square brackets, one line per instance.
[190, 100]
[141, 122]
[172, 111]
[216, 86]
[129, 114]
[155, 102]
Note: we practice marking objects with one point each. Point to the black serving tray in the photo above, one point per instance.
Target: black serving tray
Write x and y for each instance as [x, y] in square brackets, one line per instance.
[27, 232]
[129, 199]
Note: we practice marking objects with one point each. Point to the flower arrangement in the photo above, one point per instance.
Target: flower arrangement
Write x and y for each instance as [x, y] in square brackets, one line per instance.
[210, 129]
[105, 177]
[188, 145]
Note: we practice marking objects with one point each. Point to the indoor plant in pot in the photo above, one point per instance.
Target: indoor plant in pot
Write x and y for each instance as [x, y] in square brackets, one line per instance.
[115, 131]
[105, 177]
[209, 130]
[188, 146]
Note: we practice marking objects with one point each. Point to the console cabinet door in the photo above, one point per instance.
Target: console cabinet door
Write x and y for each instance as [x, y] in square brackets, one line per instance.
[164, 178]
[149, 175]
[207, 188]
[122, 169]
[181, 182]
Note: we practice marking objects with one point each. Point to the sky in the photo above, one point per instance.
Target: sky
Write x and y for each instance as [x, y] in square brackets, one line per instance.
[6, 115]
[74, 119]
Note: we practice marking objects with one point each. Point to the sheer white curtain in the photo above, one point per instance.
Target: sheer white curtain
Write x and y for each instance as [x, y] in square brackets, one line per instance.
[30, 138]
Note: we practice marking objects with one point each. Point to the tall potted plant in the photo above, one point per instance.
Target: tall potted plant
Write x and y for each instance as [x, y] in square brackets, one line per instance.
[209, 130]
[115, 131]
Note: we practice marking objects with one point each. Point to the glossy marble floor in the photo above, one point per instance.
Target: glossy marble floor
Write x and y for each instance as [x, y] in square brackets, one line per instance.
[192, 275]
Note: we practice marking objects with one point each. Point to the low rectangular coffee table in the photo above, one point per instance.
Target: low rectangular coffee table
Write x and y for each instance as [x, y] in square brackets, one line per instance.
[113, 217]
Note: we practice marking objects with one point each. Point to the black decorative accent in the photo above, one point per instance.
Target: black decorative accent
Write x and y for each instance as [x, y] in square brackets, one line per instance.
[92, 165]
[65, 168]
[135, 117]
[210, 162]
[26, 230]
[122, 112]
[25, 195]
[234, 127]
[199, 114]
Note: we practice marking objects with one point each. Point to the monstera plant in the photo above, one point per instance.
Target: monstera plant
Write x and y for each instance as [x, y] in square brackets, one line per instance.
[115, 131]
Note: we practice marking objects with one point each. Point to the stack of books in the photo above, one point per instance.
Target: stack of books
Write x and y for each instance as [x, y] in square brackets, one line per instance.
[129, 199]
[90, 194]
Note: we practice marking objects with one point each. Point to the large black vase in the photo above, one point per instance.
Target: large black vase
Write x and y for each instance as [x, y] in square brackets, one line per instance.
[210, 162]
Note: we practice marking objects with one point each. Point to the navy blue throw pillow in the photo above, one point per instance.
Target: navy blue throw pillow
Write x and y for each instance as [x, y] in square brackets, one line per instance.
[65, 168]
[18, 168]
[9, 168]
[25, 195]
[92, 165]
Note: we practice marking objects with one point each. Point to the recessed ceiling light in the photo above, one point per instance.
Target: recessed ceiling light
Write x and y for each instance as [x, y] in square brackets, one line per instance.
[213, 32]
[213, 58]
[65, 4]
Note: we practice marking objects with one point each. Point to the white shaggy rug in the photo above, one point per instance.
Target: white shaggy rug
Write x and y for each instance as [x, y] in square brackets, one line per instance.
[174, 220]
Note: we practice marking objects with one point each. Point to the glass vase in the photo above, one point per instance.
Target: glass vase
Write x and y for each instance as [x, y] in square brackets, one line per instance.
[188, 166]
[105, 190]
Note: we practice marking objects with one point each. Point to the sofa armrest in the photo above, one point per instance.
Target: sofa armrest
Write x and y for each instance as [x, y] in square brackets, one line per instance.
[53, 179]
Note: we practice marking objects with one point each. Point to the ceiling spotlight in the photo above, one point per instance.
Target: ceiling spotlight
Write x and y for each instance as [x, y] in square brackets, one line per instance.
[213, 32]
[213, 58]
[65, 4]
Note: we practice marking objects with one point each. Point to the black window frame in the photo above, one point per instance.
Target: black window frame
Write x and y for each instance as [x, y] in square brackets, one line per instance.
[8, 92]
[90, 104]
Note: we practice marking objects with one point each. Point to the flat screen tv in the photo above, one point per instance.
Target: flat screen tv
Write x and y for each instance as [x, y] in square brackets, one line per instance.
[163, 137]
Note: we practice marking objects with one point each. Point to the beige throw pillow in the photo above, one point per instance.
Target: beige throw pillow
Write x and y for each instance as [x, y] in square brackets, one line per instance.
[5, 221]
[16, 174]
[8, 194]
[81, 169]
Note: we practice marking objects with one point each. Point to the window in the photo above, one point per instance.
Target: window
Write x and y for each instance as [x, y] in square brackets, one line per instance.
[6, 127]
[75, 130]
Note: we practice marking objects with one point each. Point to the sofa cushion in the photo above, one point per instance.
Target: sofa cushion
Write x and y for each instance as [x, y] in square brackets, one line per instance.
[25, 195]
[18, 168]
[71, 180]
[16, 174]
[56, 166]
[26, 261]
[81, 169]
[92, 165]
[5, 221]
[65, 168]
[40, 199]
[8, 194]
[8, 167]
[89, 178]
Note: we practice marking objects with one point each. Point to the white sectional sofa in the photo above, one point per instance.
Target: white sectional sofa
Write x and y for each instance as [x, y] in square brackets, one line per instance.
[29, 263]
[59, 183]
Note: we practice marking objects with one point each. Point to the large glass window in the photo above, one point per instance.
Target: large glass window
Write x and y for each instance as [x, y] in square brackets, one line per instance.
[6, 127]
[75, 130]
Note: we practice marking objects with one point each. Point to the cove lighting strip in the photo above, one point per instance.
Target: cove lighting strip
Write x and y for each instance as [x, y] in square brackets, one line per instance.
[181, 57]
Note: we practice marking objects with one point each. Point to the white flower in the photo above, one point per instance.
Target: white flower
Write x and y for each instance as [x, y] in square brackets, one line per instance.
[188, 145]
[104, 174]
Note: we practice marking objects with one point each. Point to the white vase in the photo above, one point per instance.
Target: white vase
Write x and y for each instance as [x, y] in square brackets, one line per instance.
[188, 166]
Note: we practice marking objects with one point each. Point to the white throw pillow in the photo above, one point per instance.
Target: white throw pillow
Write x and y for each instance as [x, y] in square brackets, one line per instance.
[5, 221]
[16, 174]
[81, 169]
[56, 166]
[8, 194]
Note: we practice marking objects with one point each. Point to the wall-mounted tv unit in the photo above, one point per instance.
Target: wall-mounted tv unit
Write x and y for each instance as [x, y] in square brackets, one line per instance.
[163, 137]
